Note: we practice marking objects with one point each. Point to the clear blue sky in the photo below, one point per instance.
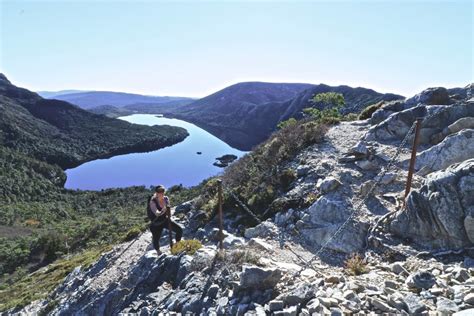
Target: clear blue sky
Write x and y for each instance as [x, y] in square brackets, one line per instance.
[195, 48]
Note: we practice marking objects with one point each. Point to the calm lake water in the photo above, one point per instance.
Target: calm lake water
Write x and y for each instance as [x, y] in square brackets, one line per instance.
[178, 164]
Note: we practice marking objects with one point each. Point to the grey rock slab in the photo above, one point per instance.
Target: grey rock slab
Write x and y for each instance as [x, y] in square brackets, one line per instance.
[264, 229]
[469, 299]
[398, 268]
[276, 305]
[435, 214]
[254, 277]
[327, 185]
[260, 244]
[453, 149]
[382, 306]
[413, 304]
[446, 306]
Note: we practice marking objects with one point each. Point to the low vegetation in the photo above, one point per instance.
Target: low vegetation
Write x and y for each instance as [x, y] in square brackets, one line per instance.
[368, 111]
[29, 287]
[356, 265]
[258, 177]
[187, 246]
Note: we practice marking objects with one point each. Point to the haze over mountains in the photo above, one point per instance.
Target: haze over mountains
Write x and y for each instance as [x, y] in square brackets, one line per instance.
[92, 99]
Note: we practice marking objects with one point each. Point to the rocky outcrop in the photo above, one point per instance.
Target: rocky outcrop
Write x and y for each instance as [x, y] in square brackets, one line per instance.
[438, 118]
[430, 96]
[325, 217]
[440, 214]
[453, 149]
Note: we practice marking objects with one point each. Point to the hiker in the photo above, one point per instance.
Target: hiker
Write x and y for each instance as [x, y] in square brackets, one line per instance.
[157, 206]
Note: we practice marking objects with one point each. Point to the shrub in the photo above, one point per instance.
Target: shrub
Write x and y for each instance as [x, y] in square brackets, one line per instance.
[350, 117]
[287, 123]
[188, 246]
[331, 99]
[368, 111]
[356, 265]
[132, 233]
[256, 177]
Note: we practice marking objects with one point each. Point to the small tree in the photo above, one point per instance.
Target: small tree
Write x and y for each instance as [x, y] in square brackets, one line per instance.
[289, 122]
[329, 99]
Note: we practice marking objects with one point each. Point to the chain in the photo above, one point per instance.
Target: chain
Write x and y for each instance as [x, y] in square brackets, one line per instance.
[236, 198]
[359, 205]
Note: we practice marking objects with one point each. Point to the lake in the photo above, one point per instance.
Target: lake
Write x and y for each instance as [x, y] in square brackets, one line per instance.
[177, 164]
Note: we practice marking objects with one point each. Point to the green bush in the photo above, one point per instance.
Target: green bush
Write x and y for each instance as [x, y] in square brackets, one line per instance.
[256, 177]
[289, 122]
[368, 111]
[187, 246]
[329, 99]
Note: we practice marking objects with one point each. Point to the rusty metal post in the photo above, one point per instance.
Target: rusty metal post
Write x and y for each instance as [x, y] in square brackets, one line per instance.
[168, 213]
[413, 156]
[221, 233]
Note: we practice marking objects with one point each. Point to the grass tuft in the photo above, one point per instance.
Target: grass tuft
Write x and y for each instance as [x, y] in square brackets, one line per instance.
[356, 265]
[188, 246]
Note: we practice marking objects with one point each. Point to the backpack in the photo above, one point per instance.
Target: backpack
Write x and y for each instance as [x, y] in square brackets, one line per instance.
[149, 212]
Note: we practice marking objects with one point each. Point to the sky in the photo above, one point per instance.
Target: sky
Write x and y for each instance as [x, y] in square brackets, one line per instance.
[194, 48]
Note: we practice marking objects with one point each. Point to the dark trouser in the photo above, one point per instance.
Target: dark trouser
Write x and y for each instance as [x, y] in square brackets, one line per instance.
[156, 230]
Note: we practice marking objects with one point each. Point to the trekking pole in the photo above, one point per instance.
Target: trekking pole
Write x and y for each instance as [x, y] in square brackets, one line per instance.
[168, 212]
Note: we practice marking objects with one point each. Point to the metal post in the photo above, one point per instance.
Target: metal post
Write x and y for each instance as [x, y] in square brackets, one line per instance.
[221, 233]
[413, 156]
[168, 212]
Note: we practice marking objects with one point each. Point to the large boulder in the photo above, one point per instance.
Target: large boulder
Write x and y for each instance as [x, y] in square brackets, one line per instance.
[325, 217]
[453, 149]
[441, 213]
[430, 96]
[264, 229]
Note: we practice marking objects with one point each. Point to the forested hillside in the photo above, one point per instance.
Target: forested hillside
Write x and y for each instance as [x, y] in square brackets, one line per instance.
[63, 134]
[41, 221]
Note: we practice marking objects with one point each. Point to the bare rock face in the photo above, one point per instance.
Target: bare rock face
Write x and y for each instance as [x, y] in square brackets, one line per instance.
[254, 277]
[453, 149]
[440, 214]
[439, 119]
[325, 217]
[430, 96]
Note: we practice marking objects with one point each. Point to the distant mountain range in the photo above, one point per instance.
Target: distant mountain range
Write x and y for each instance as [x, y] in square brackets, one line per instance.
[60, 133]
[91, 99]
[243, 114]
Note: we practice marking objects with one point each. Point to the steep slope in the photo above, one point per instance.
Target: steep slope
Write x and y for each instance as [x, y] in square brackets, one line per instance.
[60, 133]
[245, 114]
[91, 99]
